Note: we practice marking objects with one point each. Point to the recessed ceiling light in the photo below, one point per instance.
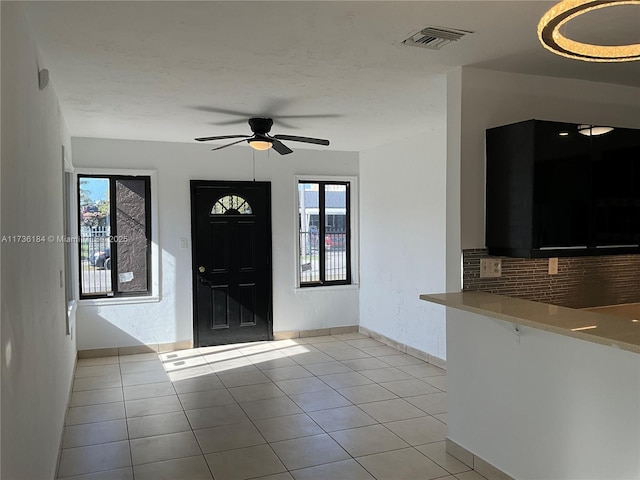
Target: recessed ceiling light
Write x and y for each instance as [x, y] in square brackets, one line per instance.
[564, 134]
[593, 130]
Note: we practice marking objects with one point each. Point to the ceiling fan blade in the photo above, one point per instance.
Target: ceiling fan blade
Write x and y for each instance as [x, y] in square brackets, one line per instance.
[320, 115]
[225, 111]
[294, 138]
[281, 148]
[228, 145]
[220, 137]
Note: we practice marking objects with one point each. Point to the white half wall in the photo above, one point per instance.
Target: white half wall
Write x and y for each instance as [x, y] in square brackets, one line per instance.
[171, 318]
[403, 242]
[538, 405]
[491, 99]
[37, 356]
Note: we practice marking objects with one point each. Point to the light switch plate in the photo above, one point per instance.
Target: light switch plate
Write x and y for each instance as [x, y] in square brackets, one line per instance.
[490, 267]
[553, 266]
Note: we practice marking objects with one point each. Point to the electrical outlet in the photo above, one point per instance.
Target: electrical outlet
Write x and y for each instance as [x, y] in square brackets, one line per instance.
[490, 267]
[553, 266]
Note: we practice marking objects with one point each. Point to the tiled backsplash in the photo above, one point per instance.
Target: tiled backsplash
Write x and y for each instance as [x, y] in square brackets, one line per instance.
[580, 281]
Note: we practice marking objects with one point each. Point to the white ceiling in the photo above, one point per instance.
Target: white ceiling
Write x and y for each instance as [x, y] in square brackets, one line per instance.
[156, 70]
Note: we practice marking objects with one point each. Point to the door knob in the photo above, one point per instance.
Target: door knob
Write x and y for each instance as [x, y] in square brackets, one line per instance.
[201, 269]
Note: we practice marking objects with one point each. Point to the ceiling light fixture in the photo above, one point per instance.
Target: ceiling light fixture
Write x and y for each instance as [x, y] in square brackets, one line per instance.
[260, 144]
[593, 130]
[551, 38]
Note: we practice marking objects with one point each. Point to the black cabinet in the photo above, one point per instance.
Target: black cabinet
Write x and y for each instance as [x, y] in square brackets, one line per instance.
[552, 191]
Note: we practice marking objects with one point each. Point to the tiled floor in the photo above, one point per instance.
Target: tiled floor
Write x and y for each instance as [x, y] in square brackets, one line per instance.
[341, 407]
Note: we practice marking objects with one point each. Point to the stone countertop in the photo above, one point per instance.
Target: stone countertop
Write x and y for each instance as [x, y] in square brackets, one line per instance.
[608, 330]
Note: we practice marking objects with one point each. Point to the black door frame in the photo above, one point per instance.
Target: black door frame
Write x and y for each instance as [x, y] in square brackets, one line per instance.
[194, 268]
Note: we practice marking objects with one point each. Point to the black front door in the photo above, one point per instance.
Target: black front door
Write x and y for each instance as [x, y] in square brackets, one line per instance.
[231, 231]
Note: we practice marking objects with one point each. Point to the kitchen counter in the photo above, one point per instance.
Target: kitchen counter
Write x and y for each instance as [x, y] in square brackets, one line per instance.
[599, 328]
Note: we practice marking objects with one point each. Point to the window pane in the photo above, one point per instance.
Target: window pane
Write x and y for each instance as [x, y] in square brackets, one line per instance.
[94, 235]
[131, 227]
[309, 234]
[336, 241]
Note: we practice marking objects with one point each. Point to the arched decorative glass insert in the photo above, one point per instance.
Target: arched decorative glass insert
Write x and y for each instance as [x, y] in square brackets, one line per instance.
[231, 205]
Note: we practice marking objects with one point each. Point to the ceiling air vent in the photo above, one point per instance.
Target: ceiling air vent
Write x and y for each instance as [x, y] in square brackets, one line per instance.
[435, 37]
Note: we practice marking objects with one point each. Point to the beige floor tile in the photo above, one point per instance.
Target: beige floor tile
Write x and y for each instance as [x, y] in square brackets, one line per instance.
[233, 366]
[433, 404]
[144, 378]
[125, 473]
[327, 347]
[139, 357]
[389, 374]
[243, 378]
[164, 447]
[260, 391]
[270, 407]
[181, 364]
[309, 451]
[95, 413]
[228, 437]
[147, 366]
[341, 418]
[221, 355]
[90, 362]
[401, 360]
[152, 406]
[380, 351]
[360, 364]
[257, 358]
[94, 433]
[365, 342]
[319, 339]
[348, 379]
[423, 370]
[97, 371]
[319, 400]
[212, 398]
[270, 363]
[153, 425]
[191, 372]
[188, 468]
[342, 470]
[302, 385]
[409, 388]
[95, 397]
[438, 453]
[94, 458]
[198, 384]
[328, 368]
[96, 383]
[442, 417]
[470, 475]
[244, 463]
[368, 440]
[406, 464]
[216, 416]
[366, 393]
[277, 476]
[137, 392]
[348, 354]
[310, 358]
[391, 410]
[350, 336]
[438, 382]
[418, 431]
[288, 427]
[287, 373]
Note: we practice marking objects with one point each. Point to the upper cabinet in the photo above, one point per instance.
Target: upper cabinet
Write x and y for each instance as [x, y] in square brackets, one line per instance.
[554, 191]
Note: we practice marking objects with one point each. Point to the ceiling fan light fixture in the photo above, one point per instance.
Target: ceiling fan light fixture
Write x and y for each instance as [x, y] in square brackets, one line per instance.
[593, 130]
[260, 145]
[561, 13]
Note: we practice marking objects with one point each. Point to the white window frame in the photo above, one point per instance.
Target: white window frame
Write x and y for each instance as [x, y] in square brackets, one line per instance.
[155, 249]
[354, 242]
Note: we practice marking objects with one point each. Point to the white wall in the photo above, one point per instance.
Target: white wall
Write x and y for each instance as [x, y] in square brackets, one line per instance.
[490, 99]
[402, 247]
[170, 319]
[37, 356]
[542, 405]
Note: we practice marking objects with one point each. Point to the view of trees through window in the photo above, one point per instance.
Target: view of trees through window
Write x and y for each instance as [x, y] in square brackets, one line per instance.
[324, 233]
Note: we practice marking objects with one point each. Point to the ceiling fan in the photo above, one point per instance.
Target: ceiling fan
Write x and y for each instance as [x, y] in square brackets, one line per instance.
[261, 140]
